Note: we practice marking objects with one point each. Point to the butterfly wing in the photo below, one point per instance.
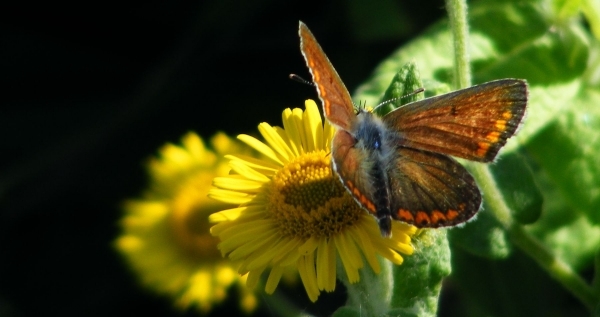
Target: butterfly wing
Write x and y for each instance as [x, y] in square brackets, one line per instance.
[431, 190]
[337, 103]
[472, 123]
[350, 162]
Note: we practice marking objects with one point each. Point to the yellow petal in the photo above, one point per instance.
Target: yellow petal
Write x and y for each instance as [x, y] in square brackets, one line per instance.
[260, 147]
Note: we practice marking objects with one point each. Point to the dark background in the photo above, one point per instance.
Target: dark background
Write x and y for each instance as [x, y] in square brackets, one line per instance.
[91, 90]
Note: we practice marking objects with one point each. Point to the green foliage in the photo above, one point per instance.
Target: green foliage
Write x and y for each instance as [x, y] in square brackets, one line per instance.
[418, 281]
[486, 239]
[401, 90]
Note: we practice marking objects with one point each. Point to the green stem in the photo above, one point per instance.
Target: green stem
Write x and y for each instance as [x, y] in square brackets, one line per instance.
[556, 268]
[371, 295]
[492, 195]
[457, 13]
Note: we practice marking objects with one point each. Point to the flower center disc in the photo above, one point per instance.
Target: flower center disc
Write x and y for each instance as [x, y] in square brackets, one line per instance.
[307, 200]
[189, 222]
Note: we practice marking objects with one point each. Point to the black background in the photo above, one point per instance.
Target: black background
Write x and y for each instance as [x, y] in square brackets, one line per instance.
[90, 90]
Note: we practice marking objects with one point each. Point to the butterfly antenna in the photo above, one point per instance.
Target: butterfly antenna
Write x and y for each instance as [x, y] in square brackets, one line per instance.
[301, 80]
[398, 98]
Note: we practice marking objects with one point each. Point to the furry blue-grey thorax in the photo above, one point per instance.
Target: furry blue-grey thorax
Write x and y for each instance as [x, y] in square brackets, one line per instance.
[370, 130]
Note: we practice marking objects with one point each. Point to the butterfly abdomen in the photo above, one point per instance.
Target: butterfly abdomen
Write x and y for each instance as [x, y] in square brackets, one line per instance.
[381, 197]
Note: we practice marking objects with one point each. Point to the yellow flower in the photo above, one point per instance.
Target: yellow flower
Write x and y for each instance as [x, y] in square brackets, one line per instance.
[293, 211]
[165, 235]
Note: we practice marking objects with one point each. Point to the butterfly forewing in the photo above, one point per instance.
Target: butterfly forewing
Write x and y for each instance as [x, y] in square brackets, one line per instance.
[472, 123]
[337, 103]
[431, 190]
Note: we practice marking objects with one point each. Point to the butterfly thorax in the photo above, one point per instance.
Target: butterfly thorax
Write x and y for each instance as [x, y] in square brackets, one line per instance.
[370, 133]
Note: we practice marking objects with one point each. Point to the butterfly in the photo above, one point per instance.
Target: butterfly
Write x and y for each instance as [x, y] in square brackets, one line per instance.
[398, 166]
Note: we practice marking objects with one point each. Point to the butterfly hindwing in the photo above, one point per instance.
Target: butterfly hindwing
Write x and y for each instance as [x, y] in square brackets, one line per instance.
[431, 190]
[349, 163]
[472, 123]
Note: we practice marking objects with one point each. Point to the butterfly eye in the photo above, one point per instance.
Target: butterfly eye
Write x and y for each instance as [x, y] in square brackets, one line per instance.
[377, 144]
[373, 139]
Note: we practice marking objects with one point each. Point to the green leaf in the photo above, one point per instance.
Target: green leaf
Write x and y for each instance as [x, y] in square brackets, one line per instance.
[372, 90]
[417, 282]
[568, 150]
[515, 180]
[565, 230]
[401, 90]
[483, 236]
[568, 46]
[575, 242]
[564, 9]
